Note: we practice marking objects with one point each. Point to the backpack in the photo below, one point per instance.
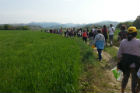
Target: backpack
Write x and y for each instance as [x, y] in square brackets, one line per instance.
[104, 31]
[127, 60]
[95, 33]
[123, 35]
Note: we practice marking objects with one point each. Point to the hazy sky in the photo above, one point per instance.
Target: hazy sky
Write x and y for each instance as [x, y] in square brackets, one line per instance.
[67, 11]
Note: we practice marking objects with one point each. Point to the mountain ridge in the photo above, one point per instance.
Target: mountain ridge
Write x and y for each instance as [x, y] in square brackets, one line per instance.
[69, 25]
[66, 25]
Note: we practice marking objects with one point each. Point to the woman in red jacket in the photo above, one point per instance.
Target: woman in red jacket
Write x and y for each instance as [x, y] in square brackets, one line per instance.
[85, 36]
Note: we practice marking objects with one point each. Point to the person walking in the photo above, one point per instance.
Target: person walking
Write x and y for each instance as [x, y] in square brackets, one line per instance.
[95, 32]
[123, 33]
[85, 36]
[91, 37]
[79, 33]
[129, 59]
[111, 34]
[99, 42]
[105, 33]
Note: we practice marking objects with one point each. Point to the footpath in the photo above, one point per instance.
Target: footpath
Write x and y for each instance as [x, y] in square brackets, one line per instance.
[99, 78]
[109, 65]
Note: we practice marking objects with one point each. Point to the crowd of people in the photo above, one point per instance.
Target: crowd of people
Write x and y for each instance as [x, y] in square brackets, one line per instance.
[97, 36]
[54, 31]
[128, 53]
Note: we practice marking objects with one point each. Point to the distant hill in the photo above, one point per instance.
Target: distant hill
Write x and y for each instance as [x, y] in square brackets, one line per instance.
[107, 23]
[100, 24]
[45, 24]
[68, 25]
[53, 25]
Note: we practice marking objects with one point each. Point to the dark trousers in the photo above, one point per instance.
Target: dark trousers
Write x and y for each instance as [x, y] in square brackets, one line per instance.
[126, 75]
[85, 39]
[111, 39]
[100, 53]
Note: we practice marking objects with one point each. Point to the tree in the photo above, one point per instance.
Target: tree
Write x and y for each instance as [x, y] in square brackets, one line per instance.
[6, 27]
[13, 27]
[137, 22]
[25, 28]
[1, 27]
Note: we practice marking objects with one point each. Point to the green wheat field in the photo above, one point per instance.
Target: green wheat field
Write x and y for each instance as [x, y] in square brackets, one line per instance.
[35, 62]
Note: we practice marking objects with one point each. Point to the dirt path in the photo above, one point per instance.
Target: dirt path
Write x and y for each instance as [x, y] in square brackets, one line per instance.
[111, 63]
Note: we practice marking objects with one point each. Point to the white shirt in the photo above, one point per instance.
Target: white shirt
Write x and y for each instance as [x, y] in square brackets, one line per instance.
[93, 29]
[111, 30]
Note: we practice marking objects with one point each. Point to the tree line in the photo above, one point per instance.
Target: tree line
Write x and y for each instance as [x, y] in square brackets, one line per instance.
[136, 23]
[12, 27]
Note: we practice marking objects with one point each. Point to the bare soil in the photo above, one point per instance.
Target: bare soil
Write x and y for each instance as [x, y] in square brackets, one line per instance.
[111, 63]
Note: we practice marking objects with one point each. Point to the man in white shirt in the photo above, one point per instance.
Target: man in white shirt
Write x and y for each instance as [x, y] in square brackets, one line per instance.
[111, 34]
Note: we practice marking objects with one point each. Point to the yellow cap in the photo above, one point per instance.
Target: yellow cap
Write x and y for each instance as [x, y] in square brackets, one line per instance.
[132, 29]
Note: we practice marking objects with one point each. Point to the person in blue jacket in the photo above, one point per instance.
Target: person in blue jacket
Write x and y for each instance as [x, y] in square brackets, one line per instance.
[99, 42]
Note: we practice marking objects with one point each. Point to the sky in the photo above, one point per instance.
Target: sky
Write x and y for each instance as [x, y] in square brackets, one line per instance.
[68, 11]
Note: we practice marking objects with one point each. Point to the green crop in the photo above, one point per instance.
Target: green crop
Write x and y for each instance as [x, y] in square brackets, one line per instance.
[35, 62]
